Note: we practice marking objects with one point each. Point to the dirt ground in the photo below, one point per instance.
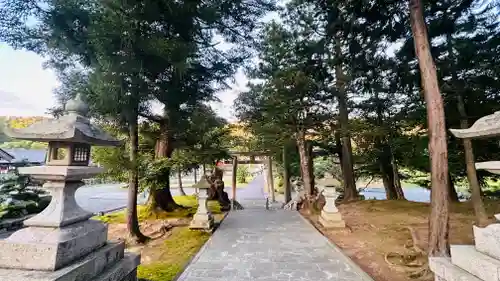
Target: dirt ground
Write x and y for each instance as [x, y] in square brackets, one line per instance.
[379, 240]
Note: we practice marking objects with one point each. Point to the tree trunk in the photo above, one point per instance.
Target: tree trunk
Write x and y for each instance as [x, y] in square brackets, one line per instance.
[397, 181]
[304, 164]
[390, 177]
[338, 145]
[286, 176]
[158, 197]
[179, 179]
[195, 180]
[133, 229]
[384, 160]
[439, 217]
[163, 199]
[477, 201]
[453, 195]
[388, 180]
[350, 192]
[310, 159]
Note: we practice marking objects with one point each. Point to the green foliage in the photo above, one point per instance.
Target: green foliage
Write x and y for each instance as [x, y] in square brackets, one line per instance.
[24, 144]
[16, 199]
[242, 174]
[323, 165]
[388, 123]
[289, 100]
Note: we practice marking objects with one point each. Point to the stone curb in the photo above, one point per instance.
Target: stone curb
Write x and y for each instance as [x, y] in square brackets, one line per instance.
[348, 260]
[200, 252]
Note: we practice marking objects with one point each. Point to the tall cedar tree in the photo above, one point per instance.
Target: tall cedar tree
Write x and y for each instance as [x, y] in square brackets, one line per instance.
[439, 218]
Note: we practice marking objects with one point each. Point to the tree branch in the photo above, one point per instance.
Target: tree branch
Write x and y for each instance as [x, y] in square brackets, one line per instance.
[154, 118]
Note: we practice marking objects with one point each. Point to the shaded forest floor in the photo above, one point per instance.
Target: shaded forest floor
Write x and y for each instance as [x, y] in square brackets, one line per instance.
[388, 239]
[172, 243]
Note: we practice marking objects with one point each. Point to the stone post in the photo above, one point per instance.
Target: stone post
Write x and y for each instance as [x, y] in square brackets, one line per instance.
[234, 180]
[270, 178]
[330, 216]
[202, 219]
[286, 176]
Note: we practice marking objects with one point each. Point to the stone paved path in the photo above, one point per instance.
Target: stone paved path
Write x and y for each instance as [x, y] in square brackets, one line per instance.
[261, 245]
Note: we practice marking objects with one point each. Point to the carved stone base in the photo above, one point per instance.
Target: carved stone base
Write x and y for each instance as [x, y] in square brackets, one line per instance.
[487, 240]
[202, 222]
[331, 220]
[49, 248]
[109, 263]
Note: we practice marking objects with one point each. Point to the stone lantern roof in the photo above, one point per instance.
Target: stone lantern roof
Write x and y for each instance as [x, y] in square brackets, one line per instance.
[73, 127]
[484, 127]
[202, 183]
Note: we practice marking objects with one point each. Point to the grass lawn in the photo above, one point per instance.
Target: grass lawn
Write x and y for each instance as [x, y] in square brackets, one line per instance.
[168, 251]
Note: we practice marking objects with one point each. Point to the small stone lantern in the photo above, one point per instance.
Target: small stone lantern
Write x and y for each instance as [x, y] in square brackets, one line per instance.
[202, 219]
[61, 243]
[330, 216]
[479, 261]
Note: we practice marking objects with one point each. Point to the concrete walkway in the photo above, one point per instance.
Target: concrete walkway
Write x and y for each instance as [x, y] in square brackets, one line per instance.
[261, 245]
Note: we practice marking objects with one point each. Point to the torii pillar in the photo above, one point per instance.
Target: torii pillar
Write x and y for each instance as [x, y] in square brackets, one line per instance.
[234, 181]
[270, 178]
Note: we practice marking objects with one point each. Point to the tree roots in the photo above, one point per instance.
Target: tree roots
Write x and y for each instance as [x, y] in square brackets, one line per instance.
[413, 260]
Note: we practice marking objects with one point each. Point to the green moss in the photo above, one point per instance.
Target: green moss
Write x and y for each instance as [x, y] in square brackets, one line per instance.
[157, 271]
[144, 214]
[174, 254]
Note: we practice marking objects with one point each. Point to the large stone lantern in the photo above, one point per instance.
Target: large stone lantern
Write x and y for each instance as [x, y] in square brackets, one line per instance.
[482, 260]
[61, 243]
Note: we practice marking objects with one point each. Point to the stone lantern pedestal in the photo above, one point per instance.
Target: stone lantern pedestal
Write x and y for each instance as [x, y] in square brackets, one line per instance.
[61, 243]
[202, 219]
[330, 216]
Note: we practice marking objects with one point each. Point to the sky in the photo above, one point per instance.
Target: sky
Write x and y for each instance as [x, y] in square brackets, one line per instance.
[26, 88]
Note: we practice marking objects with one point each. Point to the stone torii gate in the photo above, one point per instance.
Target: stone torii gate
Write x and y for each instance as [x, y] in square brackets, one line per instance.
[252, 155]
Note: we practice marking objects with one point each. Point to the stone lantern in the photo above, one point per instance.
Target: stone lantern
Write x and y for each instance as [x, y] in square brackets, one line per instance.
[61, 243]
[482, 260]
[202, 219]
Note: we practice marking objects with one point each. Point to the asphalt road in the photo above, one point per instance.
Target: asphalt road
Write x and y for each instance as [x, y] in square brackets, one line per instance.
[110, 197]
